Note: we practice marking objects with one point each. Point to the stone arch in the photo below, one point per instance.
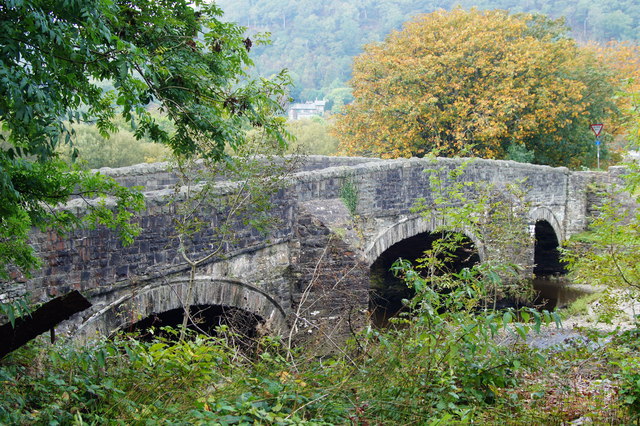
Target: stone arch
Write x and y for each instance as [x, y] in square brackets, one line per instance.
[407, 228]
[408, 238]
[549, 235]
[545, 214]
[168, 295]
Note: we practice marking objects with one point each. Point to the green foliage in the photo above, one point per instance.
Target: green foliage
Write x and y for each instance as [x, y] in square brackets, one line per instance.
[580, 306]
[317, 41]
[349, 195]
[428, 372]
[199, 380]
[311, 137]
[519, 153]
[120, 149]
[123, 380]
[634, 110]
[56, 59]
[626, 357]
[598, 20]
[15, 309]
[630, 392]
[339, 97]
[461, 364]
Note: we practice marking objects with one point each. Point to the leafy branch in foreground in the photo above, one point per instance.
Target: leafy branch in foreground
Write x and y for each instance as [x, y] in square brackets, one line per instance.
[457, 337]
[86, 61]
[494, 217]
[607, 254]
[237, 193]
[36, 201]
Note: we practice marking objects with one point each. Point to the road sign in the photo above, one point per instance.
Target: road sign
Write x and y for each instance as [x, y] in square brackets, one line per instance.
[597, 128]
[598, 142]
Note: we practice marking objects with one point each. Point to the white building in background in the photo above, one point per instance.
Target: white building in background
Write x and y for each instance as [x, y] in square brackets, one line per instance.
[306, 110]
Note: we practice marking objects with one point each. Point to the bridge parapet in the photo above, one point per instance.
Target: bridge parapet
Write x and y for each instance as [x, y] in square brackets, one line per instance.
[158, 176]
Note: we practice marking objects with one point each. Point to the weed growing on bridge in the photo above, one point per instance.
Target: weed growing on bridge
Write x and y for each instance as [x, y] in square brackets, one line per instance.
[349, 195]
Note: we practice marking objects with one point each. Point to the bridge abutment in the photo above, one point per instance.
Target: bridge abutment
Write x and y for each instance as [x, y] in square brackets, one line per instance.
[331, 291]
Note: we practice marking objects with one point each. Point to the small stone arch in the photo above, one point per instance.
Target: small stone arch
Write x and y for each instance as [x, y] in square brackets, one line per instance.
[166, 296]
[547, 260]
[544, 213]
[407, 228]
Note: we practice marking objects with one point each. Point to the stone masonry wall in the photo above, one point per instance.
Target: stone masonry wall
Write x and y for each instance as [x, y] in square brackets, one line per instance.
[330, 295]
[157, 176]
[96, 263]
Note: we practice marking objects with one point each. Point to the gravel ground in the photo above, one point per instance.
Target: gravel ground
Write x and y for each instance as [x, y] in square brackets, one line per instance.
[573, 327]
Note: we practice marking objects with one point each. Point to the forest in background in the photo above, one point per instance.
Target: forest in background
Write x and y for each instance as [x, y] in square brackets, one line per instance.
[317, 41]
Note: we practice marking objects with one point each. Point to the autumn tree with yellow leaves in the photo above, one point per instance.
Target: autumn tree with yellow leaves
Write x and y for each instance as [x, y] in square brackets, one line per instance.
[624, 59]
[485, 82]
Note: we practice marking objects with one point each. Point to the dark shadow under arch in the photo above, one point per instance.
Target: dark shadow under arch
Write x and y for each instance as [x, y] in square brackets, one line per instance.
[205, 319]
[387, 291]
[546, 254]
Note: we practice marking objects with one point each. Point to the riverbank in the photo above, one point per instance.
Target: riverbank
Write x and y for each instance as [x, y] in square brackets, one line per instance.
[590, 371]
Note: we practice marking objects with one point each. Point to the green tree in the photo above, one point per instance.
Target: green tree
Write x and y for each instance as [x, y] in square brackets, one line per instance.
[175, 54]
[312, 137]
[318, 54]
[338, 97]
[478, 81]
[120, 149]
[317, 40]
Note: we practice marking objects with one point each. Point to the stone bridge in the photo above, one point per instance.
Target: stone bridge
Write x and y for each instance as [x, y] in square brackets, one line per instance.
[311, 276]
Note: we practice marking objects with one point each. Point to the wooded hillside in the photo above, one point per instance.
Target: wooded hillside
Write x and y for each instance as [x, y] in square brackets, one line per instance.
[317, 40]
